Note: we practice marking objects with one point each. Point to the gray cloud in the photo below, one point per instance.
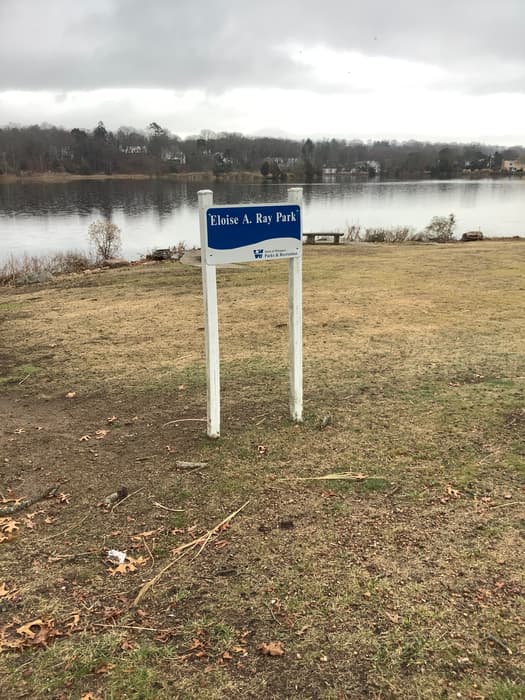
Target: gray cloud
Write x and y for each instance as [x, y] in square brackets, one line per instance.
[220, 44]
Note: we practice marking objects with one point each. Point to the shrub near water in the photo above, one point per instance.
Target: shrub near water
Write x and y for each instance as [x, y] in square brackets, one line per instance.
[106, 240]
[440, 230]
[28, 268]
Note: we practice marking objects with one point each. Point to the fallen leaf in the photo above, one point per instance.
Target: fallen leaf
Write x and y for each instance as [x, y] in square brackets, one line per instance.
[73, 625]
[240, 650]
[271, 649]
[85, 438]
[227, 656]
[128, 645]
[196, 644]
[128, 566]
[111, 613]
[454, 493]
[262, 449]
[164, 636]
[104, 668]
[27, 629]
[71, 394]
[63, 497]
[99, 434]
[144, 535]
[9, 528]
[19, 430]
[111, 419]
[14, 501]
[6, 593]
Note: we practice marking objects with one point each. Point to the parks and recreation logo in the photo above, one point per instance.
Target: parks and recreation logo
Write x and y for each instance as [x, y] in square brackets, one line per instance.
[258, 253]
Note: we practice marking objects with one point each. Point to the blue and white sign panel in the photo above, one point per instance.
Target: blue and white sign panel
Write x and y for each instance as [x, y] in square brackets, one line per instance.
[255, 232]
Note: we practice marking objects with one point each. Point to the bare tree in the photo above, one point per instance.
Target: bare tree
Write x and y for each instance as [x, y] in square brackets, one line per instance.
[105, 237]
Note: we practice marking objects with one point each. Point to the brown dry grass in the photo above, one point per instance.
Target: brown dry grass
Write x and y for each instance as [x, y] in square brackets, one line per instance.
[409, 584]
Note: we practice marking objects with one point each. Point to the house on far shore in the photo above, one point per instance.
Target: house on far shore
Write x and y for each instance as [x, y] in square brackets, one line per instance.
[513, 166]
[175, 157]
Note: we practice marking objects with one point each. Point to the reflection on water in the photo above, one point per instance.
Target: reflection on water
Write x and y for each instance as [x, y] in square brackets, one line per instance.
[39, 217]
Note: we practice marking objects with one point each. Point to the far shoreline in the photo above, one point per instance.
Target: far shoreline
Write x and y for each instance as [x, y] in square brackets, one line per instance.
[241, 176]
[205, 176]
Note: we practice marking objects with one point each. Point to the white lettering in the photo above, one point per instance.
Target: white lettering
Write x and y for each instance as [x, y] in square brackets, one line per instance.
[223, 220]
[286, 218]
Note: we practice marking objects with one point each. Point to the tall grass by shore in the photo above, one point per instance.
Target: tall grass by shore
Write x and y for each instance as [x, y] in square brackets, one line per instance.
[33, 268]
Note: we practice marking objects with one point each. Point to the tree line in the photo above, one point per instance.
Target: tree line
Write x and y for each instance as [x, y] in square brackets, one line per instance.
[155, 150]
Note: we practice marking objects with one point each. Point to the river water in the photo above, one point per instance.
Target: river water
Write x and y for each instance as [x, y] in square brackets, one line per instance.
[38, 218]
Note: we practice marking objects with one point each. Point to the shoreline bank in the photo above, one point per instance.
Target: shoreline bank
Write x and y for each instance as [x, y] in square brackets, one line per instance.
[242, 176]
[207, 176]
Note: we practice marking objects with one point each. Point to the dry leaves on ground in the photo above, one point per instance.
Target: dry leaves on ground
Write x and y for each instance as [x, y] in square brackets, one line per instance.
[271, 649]
[7, 594]
[36, 633]
[128, 566]
[8, 529]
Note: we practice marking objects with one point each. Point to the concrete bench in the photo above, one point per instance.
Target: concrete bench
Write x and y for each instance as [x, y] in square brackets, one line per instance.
[310, 237]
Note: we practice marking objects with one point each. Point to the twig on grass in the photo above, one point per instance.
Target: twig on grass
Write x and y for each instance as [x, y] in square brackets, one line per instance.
[172, 510]
[24, 379]
[506, 505]
[199, 542]
[346, 476]
[190, 466]
[185, 420]
[148, 550]
[60, 557]
[499, 642]
[64, 532]
[131, 627]
[118, 503]
[272, 613]
[26, 502]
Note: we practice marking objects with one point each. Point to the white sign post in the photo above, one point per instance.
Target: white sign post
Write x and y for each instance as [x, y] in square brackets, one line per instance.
[240, 234]
[295, 322]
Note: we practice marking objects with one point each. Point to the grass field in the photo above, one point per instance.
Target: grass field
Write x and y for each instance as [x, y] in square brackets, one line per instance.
[405, 582]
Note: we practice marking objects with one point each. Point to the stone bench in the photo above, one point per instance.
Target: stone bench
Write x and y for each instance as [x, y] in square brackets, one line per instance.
[310, 237]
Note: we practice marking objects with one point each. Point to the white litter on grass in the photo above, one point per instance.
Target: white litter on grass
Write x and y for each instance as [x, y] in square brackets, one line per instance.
[115, 556]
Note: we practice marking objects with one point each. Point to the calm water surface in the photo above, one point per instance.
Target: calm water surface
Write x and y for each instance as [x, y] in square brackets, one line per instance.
[47, 217]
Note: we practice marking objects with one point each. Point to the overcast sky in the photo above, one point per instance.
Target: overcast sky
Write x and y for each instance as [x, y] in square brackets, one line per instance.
[424, 69]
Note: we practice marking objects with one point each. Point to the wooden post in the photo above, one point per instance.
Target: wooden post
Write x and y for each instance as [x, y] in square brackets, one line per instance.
[295, 320]
[211, 324]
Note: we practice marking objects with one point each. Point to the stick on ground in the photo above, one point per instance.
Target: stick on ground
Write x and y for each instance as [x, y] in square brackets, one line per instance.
[346, 476]
[26, 502]
[200, 542]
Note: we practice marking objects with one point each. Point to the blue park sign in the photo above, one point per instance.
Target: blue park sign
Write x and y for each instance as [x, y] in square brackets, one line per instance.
[255, 232]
